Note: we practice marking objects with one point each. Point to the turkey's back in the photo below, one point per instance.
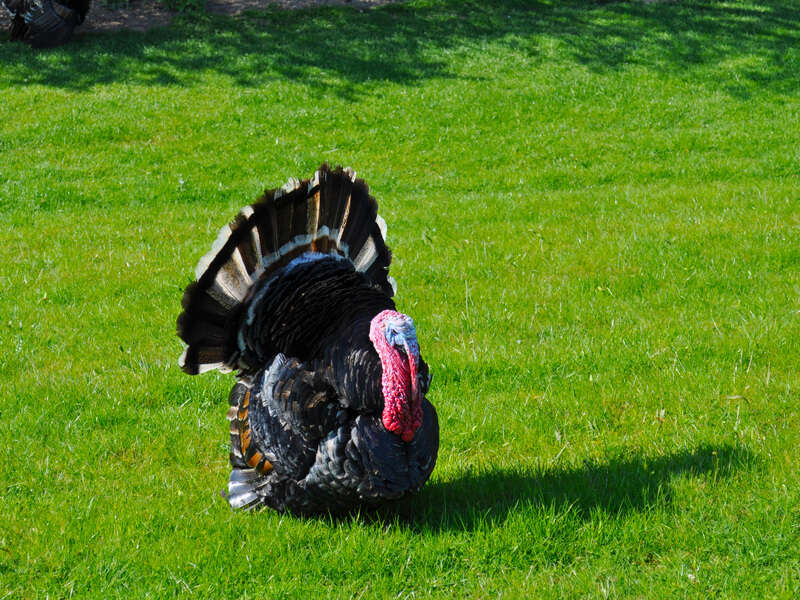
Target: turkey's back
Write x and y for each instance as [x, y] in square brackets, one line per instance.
[309, 305]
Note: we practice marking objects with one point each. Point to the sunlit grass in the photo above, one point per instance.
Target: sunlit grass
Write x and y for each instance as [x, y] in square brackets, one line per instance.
[595, 216]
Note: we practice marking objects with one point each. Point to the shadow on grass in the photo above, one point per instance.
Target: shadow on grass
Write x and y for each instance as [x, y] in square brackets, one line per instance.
[337, 50]
[616, 487]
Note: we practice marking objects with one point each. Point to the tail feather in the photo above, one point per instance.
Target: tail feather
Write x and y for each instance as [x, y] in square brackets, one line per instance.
[355, 226]
[376, 261]
[265, 236]
[330, 214]
[245, 480]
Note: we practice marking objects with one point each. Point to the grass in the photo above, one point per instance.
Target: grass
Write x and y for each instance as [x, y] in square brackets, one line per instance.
[595, 214]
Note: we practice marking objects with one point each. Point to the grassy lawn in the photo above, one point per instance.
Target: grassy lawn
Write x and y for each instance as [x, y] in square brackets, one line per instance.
[595, 215]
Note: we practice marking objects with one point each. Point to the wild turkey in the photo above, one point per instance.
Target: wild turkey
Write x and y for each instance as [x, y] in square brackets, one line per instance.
[45, 23]
[329, 410]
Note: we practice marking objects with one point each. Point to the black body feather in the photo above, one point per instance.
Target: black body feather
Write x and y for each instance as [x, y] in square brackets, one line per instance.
[45, 23]
[286, 298]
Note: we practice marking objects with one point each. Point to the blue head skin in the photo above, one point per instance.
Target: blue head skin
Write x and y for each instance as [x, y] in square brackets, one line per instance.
[400, 333]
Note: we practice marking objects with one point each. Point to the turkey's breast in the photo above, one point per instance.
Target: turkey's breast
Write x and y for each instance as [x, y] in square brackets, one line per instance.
[326, 453]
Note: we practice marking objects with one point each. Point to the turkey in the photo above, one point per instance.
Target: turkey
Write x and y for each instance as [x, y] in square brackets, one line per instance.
[329, 411]
[45, 23]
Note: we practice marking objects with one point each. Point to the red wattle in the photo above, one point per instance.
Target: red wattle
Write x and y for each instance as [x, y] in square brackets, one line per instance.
[402, 405]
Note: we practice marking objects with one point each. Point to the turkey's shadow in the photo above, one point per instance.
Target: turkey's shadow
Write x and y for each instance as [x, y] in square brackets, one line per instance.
[621, 485]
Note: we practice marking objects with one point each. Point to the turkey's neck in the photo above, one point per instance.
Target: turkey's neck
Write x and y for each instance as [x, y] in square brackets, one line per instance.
[355, 366]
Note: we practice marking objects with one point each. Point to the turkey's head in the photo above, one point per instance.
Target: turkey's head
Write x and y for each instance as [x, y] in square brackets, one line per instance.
[395, 340]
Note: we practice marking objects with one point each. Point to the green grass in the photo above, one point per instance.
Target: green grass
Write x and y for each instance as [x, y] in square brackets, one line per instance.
[595, 215]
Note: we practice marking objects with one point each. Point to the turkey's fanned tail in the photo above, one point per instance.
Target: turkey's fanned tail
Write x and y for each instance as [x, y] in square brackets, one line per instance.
[331, 214]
